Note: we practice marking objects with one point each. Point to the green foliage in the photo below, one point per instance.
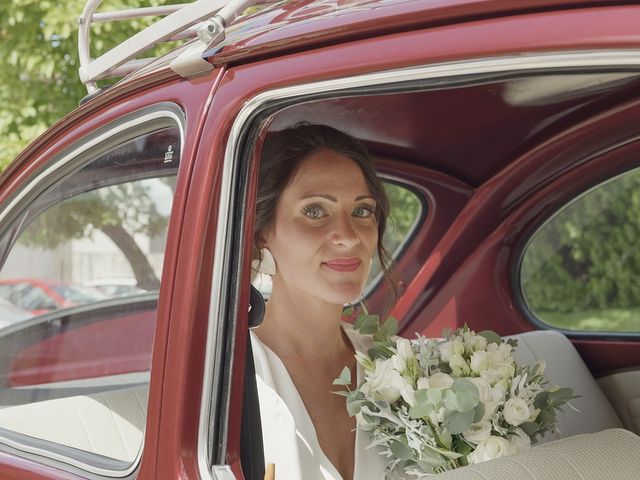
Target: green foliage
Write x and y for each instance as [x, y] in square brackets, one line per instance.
[405, 208]
[39, 81]
[586, 258]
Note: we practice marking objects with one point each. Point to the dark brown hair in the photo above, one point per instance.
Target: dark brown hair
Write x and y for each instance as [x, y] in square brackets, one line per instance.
[282, 154]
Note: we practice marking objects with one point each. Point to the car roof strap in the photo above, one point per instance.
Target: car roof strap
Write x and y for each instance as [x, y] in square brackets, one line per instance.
[179, 22]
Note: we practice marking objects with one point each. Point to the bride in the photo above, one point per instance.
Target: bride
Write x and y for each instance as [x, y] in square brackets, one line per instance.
[320, 218]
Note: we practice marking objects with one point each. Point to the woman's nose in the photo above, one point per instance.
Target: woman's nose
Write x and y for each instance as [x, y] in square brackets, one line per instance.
[344, 232]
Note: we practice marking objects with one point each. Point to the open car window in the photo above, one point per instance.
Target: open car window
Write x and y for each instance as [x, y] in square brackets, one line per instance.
[82, 263]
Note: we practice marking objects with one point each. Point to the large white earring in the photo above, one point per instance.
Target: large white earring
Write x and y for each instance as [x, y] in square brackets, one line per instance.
[266, 264]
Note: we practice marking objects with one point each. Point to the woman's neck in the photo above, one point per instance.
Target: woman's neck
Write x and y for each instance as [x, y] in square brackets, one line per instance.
[303, 329]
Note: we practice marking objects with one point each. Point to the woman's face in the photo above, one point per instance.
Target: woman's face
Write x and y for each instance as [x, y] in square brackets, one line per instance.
[324, 232]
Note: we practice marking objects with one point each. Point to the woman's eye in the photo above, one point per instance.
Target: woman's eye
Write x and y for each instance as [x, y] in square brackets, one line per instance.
[314, 211]
[364, 211]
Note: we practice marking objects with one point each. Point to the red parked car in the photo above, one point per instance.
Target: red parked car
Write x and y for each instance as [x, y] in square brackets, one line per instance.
[507, 134]
[41, 296]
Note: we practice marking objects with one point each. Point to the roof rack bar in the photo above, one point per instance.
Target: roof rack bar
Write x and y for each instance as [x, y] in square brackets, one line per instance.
[127, 68]
[180, 22]
[158, 32]
[135, 13]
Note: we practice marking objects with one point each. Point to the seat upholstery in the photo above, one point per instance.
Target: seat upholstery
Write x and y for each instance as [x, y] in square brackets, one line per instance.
[108, 423]
[565, 368]
[610, 454]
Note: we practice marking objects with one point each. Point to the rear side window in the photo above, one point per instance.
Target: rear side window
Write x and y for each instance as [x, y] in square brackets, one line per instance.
[581, 270]
[82, 264]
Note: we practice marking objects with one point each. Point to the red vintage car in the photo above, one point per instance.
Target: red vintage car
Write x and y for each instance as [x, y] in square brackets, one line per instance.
[507, 133]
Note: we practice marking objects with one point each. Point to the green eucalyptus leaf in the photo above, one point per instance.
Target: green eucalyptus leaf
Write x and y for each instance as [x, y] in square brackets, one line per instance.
[450, 400]
[369, 324]
[479, 412]
[420, 410]
[458, 422]
[541, 400]
[467, 395]
[491, 336]
[390, 327]
[434, 396]
[560, 396]
[530, 427]
[344, 378]
[546, 417]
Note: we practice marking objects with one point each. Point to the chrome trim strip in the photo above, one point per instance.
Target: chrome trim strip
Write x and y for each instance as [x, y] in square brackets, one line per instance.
[32, 185]
[223, 472]
[520, 63]
[87, 146]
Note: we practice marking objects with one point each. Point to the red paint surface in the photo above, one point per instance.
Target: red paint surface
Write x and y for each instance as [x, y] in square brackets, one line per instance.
[109, 347]
[456, 270]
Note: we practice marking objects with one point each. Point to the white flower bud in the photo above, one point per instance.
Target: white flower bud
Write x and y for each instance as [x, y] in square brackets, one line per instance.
[479, 361]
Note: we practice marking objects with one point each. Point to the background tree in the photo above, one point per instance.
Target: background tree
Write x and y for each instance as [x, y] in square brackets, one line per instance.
[39, 81]
[39, 84]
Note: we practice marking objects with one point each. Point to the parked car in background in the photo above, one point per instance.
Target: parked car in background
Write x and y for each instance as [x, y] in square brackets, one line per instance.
[507, 134]
[115, 287]
[41, 296]
[10, 314]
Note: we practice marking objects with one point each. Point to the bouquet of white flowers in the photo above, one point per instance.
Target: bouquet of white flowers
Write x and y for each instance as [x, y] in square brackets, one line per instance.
[435, 405]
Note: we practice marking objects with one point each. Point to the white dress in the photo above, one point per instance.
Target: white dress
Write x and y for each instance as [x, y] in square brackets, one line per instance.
[289, 437]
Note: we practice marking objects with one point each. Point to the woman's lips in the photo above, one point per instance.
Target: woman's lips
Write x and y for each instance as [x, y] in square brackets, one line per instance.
[343, 264]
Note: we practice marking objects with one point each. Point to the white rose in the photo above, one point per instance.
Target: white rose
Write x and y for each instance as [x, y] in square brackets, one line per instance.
[491, 376]
[496, 360]
[477, 432]
[479, 361]
[520, 441]
[384, 383]
[516, 411]
[492, 447]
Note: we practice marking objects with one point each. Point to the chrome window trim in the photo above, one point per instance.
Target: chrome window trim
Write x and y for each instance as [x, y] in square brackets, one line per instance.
[69, 157]
[147, 114]
[565, 61]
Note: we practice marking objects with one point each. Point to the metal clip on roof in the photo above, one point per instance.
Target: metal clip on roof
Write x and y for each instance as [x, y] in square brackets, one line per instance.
[179, 22]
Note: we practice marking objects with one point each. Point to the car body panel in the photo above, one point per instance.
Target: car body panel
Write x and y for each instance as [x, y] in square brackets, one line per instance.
[457, 268]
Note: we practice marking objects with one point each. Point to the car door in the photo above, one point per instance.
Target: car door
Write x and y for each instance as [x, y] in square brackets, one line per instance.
[100, 195]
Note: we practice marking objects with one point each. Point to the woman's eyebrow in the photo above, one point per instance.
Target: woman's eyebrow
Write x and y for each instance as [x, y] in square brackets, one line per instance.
[321, 195]
[334, 199]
